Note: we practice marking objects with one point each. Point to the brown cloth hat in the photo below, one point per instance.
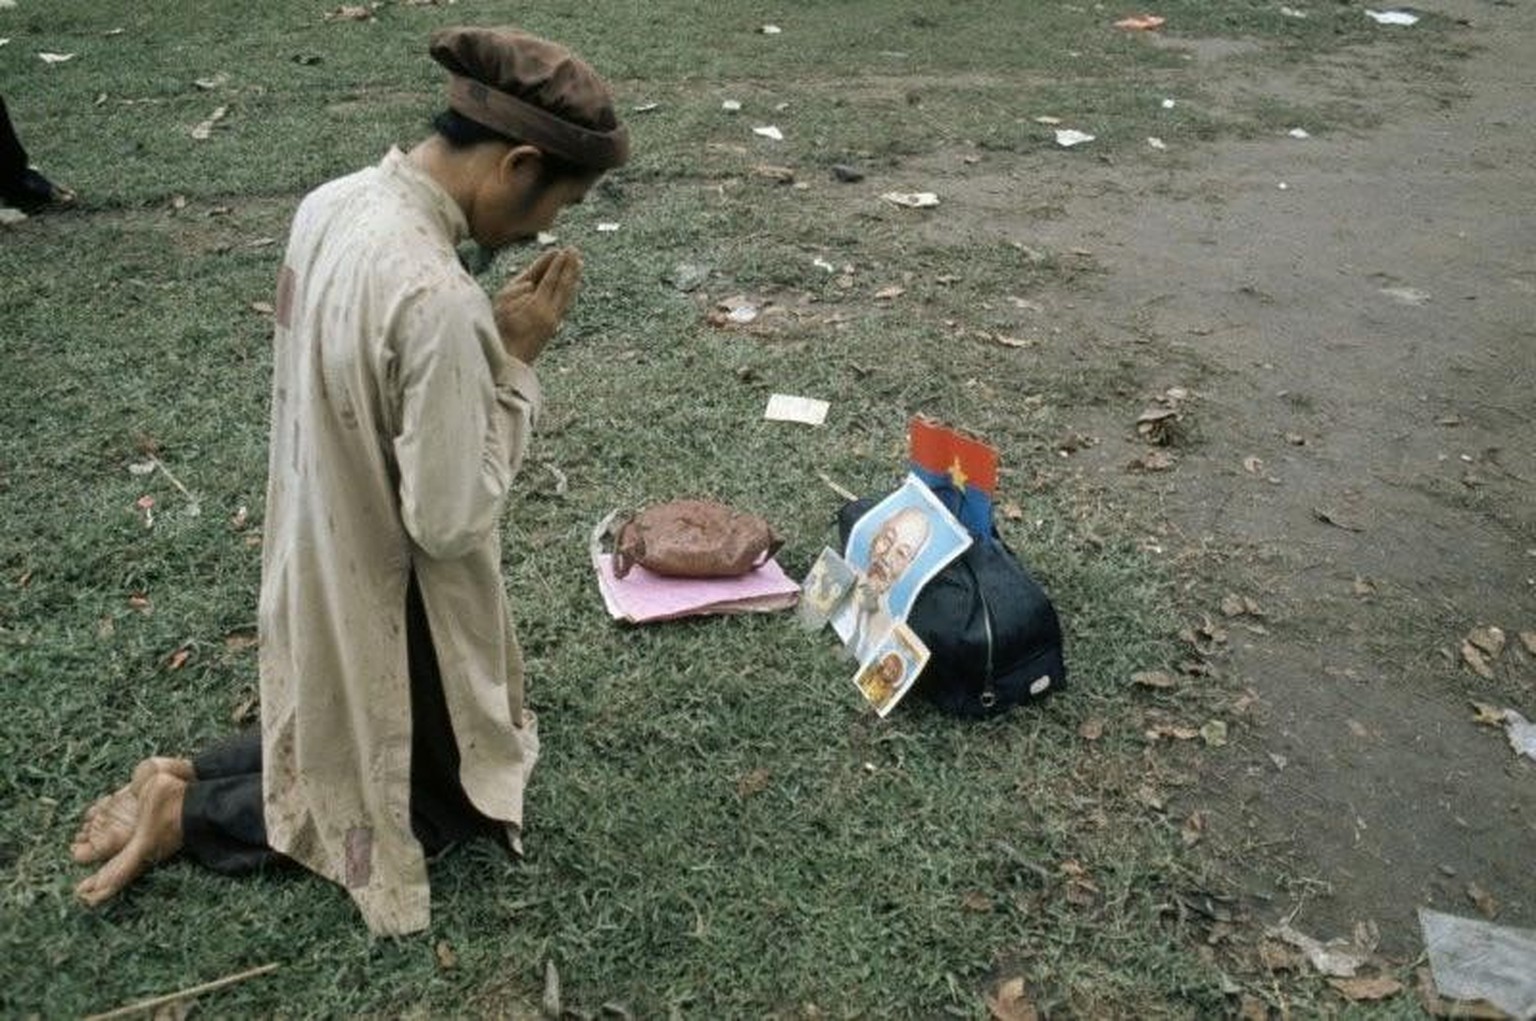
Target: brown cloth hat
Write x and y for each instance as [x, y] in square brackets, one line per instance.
[532, 90]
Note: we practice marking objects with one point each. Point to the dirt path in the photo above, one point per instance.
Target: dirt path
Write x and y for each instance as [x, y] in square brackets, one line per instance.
[1353, 310]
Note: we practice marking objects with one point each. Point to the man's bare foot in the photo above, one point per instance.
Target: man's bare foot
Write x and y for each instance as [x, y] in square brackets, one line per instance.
[109, 823]
[156, 836]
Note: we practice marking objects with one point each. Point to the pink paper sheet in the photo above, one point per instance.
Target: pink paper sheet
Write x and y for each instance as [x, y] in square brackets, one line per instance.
[642, 595]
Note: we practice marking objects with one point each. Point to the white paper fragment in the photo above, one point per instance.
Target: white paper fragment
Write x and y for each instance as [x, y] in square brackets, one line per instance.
[4, 41]
[912, 200]
[771, 30]
[55, 58]
[607, 228]
[545, 238]
[1470, 959]
[1068, 137]
[1169, 104]
[1291, 12]
[780, 107]
[1157, 143]
[1392, 17]
[645, 107]
[742, 314]
[786, 408]
[203, 130]
[730, 105]
[769, 131]
[1298, 133]
[9, 217]
[143, 467]
[821, 263]
[1047, 120]
[1522, 733]
[1407, 295]
[209, 84]
[1337, 958]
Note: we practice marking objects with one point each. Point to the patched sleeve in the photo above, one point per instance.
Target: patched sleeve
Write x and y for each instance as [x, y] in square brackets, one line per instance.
[466, 411]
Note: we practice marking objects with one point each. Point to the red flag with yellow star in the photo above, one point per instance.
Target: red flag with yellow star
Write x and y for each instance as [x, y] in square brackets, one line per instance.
[959, 468]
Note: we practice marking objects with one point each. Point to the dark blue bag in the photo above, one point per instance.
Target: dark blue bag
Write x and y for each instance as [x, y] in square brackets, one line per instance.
[993, 636]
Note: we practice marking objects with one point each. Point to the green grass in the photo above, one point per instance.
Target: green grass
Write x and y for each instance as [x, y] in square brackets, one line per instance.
[885, 869]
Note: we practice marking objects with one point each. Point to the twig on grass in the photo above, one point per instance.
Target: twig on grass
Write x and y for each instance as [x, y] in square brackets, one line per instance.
[182, 994]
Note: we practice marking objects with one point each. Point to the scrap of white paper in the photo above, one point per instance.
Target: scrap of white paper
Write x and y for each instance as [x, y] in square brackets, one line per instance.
[1157, 143]
[1068, 137]
[607, 228]
[1392, 17]
[55, 58]
[730, 105]
[545, 238]
[788, 408]
[769, 131]
[912, 199]
[1299, 133]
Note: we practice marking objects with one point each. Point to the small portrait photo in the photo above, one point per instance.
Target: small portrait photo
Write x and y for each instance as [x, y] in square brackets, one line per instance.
[891, 669]
[826, 584]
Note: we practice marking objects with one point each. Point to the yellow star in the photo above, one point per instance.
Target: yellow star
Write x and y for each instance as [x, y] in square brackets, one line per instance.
[958, 475]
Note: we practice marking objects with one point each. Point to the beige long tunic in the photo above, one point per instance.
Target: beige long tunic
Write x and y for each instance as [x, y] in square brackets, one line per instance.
[398, 422]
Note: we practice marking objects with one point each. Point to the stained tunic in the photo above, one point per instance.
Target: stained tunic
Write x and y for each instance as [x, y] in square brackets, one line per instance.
[398, 422]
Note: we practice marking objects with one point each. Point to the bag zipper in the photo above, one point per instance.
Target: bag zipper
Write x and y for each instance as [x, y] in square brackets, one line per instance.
[988, 693]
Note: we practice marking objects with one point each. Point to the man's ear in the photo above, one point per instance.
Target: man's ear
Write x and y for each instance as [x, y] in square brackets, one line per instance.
[524, 160]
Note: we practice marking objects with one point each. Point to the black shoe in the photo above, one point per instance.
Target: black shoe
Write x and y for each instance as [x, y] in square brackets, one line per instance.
[33, 192]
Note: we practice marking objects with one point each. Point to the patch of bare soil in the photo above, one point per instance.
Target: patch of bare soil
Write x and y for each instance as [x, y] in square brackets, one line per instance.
[1351, 313]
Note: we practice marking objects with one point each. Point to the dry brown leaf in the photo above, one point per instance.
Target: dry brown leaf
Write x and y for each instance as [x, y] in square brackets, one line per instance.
[1154, 679]
[1154, 461]
[1015, 342]
[447, 958]
[1214, 733]
[1483, 900]
[1013, 512]
[976, 901]
[1232, 605]
[1253, 1009]
[237, 641]
[1194, 829]
[178, 658]
[1149, 797]
[1364, 587]
[263, 308]
[1473, 657]
[1379, 988]
[754, 782]
[1357, 728]
[350, 12]
[889, 293]
[1171, 731]
[1253, 465]
[139, 601]
[1091, 730]
[1010, 1002]
[1528, 639]
[776, 174]
[1488, 716]
[205, 129]
[1488, 639]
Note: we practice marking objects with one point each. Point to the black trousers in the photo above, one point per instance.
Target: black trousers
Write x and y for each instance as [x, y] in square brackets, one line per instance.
[223, 826]
[13, 158]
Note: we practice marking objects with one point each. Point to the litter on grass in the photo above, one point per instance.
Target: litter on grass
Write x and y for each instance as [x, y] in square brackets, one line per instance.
[607, 228]
[1392, 17]
[1157, 143]
[730, 105]
[771, 30]
[1291, 12]
[769, 131]
[55, 58]
[788, 408]
[1299, 133]
[1474, 960]
[1068, 137]
[203, 130]
[1169, 104]
[645, 107]
[912, 200]
[1141, 22]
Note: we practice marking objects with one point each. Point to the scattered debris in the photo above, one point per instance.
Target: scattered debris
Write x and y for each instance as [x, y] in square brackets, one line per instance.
[1193, 830]
[1142, 22]
[350, 12]
[607, 227]
[1154, 461]
[847, 173]
[1298, 133]
[1522, 734]
[1047, 120]
[1381, 987]
[753, 782]
[823, 264]
[1476, 660]
[1407, 295]
[769, 131]
[1169, 104]
[1158, 426]
[1291, 12]
[55, 58]
[912, 200]
[770, 30]
[776, 174]
[209, 84]
[1214, 733]
[1489, 639]
[544, 239]
[549, 1004]
[447, 958]
[645, 107]
[1161, 679]
[1170, 731]
[1157, 143]
[202, 131]
[1338, 958]
[1483, 901]
[730, 105]
[1392, 17]
[1234, 605]
[1528, 639]
[1068, 137]
[1327, 517]
[787, 408]
[1474, 960]
[1010, 1002]
[1091, 729]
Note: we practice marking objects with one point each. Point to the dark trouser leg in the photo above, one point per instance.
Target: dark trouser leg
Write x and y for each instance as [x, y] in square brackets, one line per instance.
[13, 158]
[223, 824]
[441, 813]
